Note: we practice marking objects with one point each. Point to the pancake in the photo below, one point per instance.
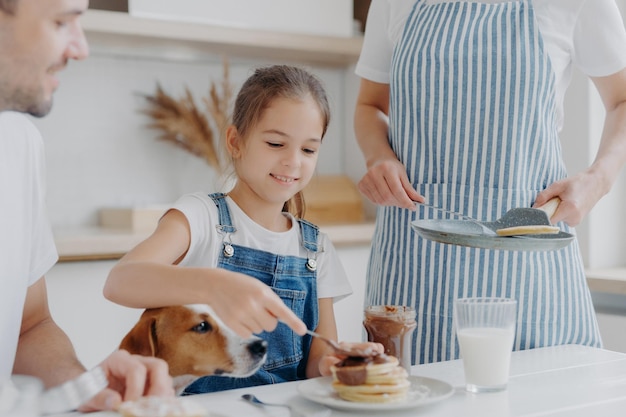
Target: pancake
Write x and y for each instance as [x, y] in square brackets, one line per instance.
[531, 229]
[375, 379]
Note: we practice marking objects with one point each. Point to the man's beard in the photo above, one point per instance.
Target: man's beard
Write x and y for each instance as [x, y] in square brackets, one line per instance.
[24, 102]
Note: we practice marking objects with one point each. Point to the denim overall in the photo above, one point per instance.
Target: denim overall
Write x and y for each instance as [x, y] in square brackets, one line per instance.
[472, 116]
[294, 279]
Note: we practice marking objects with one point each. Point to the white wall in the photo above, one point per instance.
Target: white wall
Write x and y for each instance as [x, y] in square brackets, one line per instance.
[607, 223]
[100, 153]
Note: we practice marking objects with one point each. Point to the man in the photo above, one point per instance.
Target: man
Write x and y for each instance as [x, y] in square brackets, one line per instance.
[37, 39]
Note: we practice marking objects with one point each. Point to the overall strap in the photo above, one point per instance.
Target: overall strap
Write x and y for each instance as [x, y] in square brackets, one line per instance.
[226, 224]
[309, 233]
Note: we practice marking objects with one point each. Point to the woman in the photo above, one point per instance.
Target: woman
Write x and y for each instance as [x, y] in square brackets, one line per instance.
[461, 103]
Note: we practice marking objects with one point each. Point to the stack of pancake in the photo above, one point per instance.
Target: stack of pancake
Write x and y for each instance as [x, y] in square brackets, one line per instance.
[377, 378]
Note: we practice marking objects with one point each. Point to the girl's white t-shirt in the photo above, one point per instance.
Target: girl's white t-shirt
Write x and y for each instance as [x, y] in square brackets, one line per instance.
[206, 243]
[587, 34]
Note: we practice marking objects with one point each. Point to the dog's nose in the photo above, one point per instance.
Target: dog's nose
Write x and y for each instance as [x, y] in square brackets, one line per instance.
[258, 348]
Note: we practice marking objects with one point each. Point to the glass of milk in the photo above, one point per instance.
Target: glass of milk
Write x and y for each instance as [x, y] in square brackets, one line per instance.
[485, 328]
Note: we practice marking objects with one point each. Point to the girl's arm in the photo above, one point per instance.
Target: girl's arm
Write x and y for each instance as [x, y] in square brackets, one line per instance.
[321, 356]
[148, 277]
[326, 327]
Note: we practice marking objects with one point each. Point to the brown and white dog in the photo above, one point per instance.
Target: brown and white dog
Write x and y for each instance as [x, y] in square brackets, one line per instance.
[194, 342]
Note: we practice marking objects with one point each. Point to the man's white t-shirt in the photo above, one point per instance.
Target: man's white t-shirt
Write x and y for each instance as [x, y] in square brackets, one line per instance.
[588, 34]
[27, 249]
[206, 243]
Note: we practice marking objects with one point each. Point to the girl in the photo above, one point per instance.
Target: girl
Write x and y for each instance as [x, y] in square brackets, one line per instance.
[207, 247]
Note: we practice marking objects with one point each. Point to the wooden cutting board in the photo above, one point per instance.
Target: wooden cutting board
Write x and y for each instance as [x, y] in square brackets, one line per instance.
[333, 199]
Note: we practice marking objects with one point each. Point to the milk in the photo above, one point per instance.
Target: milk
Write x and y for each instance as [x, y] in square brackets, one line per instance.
[486, 353]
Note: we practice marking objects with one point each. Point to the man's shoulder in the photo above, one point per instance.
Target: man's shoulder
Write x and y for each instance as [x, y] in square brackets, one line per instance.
[15, 123]
[14, 117]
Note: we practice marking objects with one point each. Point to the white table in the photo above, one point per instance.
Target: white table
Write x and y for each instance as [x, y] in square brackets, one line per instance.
[563, 381]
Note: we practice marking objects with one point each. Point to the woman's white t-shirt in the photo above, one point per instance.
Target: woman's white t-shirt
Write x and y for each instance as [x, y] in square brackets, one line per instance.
[588, 34]
[206, 243]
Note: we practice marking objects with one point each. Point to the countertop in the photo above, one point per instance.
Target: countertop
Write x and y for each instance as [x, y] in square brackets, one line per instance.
[99, 243]
[607, 280]
[107, 243]
[560, 381]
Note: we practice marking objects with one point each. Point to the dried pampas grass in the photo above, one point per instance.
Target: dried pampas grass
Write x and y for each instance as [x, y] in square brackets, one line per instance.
[184, 125]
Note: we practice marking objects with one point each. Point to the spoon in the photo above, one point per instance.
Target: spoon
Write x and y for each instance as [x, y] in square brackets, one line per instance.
[340, 350]
[252, 399]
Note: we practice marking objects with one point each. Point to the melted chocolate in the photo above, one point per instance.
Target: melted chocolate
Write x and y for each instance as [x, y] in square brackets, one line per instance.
[392, 326]
[353, 369]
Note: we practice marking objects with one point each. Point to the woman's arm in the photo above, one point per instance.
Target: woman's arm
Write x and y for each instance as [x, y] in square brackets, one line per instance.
[386, 181]
[580, 193]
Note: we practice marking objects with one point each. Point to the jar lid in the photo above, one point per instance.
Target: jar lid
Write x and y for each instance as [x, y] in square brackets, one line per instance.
[396, 312]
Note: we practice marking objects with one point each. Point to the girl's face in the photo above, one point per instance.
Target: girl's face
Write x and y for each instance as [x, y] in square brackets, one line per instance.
[278, 157]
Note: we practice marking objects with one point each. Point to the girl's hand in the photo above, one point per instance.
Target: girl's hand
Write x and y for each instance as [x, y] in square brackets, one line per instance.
[331, 358]
[248, 306]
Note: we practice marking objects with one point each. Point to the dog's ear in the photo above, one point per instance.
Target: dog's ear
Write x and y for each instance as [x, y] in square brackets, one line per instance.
[142, 338]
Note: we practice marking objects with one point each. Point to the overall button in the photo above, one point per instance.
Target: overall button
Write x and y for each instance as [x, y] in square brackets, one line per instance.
[311, 265]
[229, 251]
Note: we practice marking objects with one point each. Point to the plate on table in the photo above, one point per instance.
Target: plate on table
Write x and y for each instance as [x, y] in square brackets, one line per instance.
[421, 392]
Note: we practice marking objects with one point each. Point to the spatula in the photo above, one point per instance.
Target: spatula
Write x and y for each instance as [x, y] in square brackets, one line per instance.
[517, 221]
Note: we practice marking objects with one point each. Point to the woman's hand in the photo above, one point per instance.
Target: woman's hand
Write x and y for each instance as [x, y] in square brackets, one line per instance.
[387, 184]
[578, 194]
[332, 358]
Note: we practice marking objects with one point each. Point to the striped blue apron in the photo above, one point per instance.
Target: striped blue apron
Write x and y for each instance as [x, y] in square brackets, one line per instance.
[472, 116]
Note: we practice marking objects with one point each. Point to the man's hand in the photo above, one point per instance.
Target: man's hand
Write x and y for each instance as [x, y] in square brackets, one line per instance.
[130, 377]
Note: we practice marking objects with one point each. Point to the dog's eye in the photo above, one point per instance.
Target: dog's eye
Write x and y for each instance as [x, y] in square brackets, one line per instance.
[203, 327]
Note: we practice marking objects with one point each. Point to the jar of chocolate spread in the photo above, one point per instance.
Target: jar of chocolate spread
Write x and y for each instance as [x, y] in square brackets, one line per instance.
[393, 327]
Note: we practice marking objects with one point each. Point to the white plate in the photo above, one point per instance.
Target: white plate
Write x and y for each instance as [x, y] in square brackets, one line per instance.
[421, 392]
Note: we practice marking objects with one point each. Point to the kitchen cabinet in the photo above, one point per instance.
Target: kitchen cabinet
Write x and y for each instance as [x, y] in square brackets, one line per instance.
[119, 33]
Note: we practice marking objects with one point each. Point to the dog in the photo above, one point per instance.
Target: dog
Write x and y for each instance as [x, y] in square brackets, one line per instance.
[194, 342]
